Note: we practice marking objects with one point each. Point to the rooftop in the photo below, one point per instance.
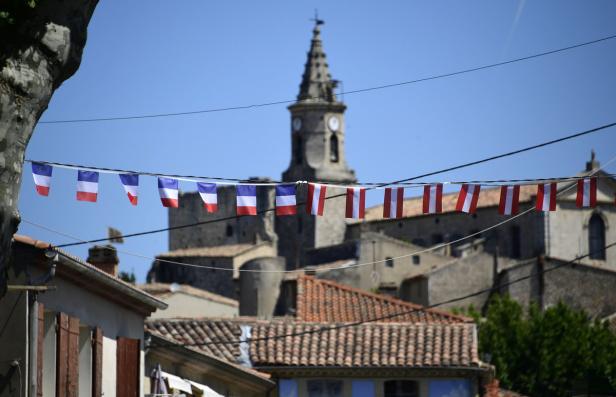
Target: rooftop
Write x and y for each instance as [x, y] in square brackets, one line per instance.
[218, 251]
[163, 290]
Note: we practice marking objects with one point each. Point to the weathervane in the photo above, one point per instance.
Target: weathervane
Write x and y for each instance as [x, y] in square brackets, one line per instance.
[316, 19]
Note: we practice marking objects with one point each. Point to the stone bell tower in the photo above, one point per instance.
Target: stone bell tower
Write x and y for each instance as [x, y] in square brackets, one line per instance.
[317, 154]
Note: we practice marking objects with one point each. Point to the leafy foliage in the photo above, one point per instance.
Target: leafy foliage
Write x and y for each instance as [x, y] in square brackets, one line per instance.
[550, 353]
[128, 277]
[14, 11]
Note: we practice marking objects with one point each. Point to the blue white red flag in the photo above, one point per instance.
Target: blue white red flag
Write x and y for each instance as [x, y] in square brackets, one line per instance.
[168, 190]
[42, 178]
[87, 186]
[315, 202]
[208, 194]
[355, 202]
[131, 185]
[392, 202]
[246, 199]
[285, 200]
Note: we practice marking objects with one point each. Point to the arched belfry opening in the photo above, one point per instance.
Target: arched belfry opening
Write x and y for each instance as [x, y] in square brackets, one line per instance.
[596, 237]
[298, 150]
[334, 156]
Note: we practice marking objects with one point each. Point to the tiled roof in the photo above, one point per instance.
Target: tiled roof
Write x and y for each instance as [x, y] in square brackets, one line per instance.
[327, 301]
[219, 251]
[488, 197]
[370, 345]
[163, 290]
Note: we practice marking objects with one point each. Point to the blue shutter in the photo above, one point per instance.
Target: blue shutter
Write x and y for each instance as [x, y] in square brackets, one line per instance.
[363, 388]
[287, 388]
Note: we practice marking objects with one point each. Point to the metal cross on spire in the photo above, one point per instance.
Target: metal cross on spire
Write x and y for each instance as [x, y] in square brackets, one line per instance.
[316, 19]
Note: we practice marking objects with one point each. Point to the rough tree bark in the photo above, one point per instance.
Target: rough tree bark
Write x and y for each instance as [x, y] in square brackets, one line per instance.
[36, 55]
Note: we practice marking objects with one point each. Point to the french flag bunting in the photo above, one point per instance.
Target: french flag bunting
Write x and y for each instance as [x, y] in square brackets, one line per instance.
[168, 191]
[433, 199]
[246, 199]
[546, 197]
[131, 185]
[316, 199]
[509, 200]
[468, 197]
[586, 193]
[208, 194]
[87, 186]
[392, 202]
[285, 200]
[355, 202]
[42, 178]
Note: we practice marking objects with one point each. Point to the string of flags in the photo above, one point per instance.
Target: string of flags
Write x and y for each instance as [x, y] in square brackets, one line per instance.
[286, 204]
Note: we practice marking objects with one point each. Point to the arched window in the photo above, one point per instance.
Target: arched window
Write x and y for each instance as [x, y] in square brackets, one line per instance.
[298, 151]
[333, 149]
[596, 237]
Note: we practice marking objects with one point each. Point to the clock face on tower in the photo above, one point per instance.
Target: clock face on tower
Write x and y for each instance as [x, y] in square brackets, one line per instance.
[333, 123]
[297, 124]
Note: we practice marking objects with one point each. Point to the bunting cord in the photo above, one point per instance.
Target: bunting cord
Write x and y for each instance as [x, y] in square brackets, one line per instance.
[397, 314]
[300, 204]
[374, 185]
[351, 92]
[325, 269]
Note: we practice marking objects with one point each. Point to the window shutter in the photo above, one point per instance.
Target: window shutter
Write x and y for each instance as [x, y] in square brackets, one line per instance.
[61, 354]
[39, 349]
[72, 384]
[127, 368]
[97, 362]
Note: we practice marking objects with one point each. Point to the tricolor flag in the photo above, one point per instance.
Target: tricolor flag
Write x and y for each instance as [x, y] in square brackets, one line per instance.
[355, 202]
[468, 197]
[285, 200]
[87, 185]
[131, 184]
[586, 193]
[246, 199]
[509, 200]
[42, 178]
[168, 191]
[316, 199]
[546, 197]
[392, 202]
[433, 199]
[208, 194]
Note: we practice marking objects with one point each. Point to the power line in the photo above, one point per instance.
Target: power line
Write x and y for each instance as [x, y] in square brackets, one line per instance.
[300, 204]
[406, 312]
[361, 90]
[324, 269]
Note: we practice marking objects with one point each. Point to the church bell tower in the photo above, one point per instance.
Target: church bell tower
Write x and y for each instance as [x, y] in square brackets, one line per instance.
[317, 154]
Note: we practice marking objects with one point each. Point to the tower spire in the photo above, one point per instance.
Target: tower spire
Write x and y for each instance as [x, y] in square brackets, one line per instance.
[317, 84]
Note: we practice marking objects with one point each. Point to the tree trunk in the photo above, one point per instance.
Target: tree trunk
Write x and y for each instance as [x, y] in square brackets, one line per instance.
[36, 55]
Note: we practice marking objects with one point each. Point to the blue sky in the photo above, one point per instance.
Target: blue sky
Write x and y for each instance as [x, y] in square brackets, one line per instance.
[159, 56]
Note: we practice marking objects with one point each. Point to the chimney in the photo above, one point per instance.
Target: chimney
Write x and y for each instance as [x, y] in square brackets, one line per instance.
[105, 258]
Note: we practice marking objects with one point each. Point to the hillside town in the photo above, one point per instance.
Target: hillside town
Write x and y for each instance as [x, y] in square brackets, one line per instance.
[298, 286]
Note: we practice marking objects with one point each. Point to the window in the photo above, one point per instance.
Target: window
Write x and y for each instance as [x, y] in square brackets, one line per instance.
[596, 237]
[229, 231]
[299, 153]
[333, 149]
[515, 242]
[389, 262]
[324, 388]
[416, 259]
[401, 388]
[85, 361]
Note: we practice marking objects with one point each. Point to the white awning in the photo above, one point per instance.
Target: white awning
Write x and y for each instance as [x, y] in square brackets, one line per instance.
[207, 392]
[177, 383]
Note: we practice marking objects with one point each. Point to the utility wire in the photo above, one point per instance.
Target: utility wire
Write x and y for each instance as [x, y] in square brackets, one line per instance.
[300, 204]
[375, 88]
[323, 269]
[392, 315]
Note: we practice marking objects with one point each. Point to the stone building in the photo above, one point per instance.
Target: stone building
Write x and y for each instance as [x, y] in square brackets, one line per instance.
[403, 268]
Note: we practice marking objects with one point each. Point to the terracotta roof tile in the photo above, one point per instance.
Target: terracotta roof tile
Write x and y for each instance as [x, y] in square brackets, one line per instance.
[321, 300]
[371, 345]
